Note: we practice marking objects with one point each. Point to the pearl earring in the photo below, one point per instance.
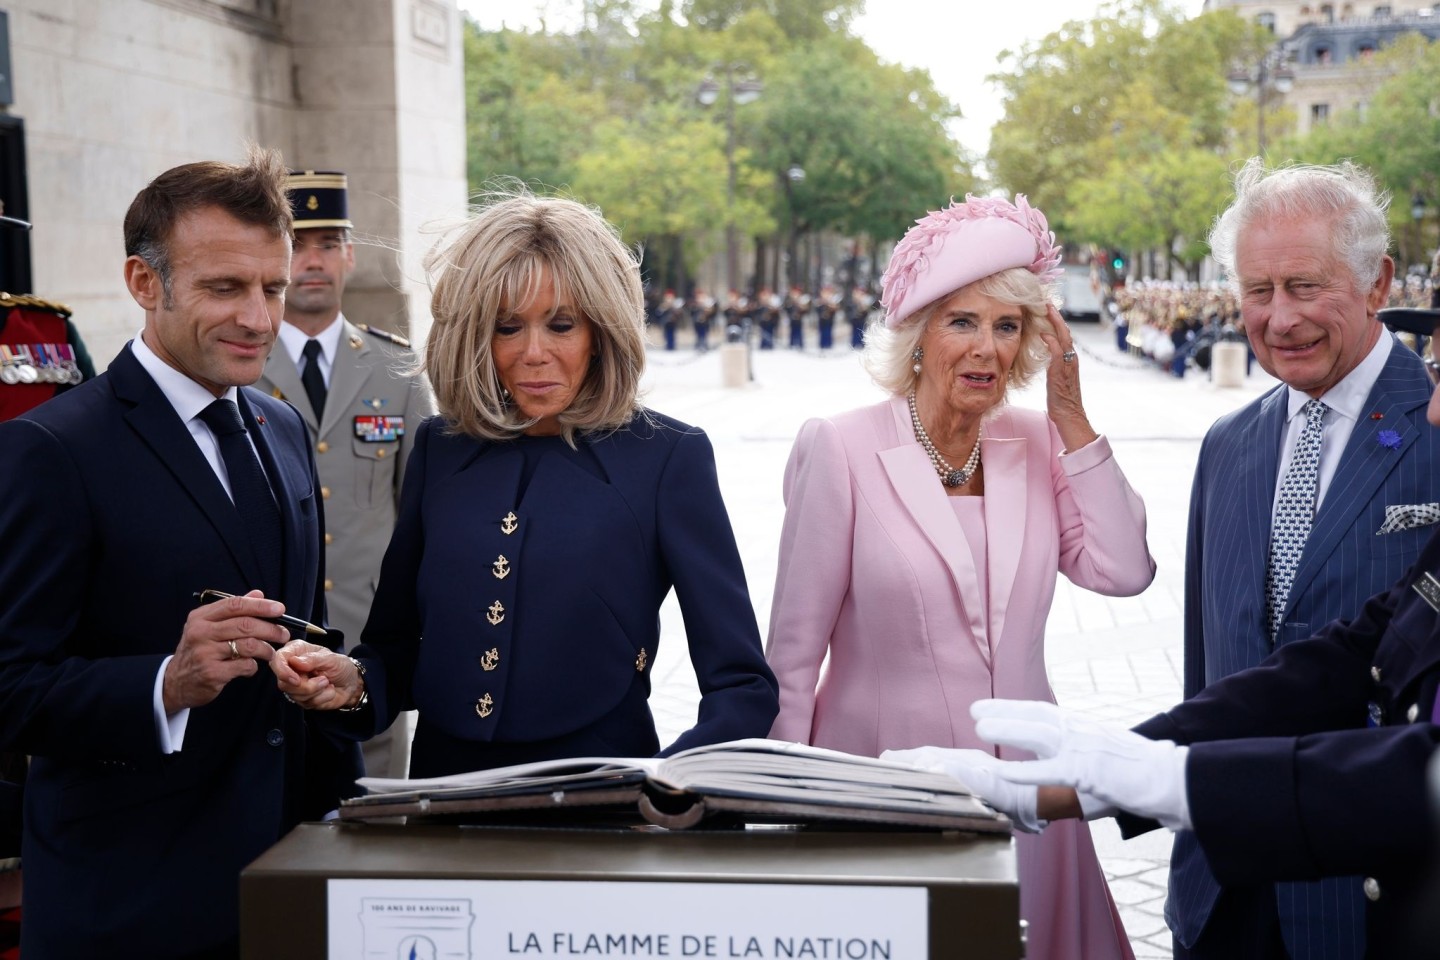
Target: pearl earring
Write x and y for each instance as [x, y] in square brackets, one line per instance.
[917, 355]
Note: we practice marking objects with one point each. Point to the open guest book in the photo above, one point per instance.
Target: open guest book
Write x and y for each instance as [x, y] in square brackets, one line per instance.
[742, 781]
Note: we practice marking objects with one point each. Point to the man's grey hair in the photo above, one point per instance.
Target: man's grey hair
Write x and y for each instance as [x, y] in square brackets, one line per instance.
[1345, 194]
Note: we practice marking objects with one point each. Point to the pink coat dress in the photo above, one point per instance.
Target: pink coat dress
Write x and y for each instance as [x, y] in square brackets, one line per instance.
[875, 571]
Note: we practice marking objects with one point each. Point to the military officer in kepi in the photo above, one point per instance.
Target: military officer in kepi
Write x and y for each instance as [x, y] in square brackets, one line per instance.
[40, 350]
[352, 384]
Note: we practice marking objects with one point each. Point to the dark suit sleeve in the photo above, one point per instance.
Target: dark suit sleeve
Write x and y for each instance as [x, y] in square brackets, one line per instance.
[1311, 689]
[1300, 808]
[54, 701]
[739, 696]
[391, 639]
[1194, 631]
[1313, 685]
[332, 760]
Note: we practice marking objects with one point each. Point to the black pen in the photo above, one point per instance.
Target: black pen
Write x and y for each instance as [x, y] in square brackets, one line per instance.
[295, 623]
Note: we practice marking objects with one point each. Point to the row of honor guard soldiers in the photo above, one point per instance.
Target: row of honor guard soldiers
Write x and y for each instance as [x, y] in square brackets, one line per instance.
[353, 386]
[764, 312]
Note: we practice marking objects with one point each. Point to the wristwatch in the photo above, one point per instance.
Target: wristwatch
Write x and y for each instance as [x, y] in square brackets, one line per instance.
[364, 690]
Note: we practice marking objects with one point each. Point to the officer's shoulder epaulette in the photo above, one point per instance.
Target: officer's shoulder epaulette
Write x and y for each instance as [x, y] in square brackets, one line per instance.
[386, 335]
[8, 300]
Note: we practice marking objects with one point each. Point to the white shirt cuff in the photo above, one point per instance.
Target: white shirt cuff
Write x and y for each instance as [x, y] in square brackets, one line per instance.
[170, 729]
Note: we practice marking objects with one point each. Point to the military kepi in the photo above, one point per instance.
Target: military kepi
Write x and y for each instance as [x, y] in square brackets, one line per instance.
[318, 199]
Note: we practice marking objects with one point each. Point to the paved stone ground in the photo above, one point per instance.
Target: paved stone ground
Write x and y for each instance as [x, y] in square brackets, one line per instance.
[1116, 659]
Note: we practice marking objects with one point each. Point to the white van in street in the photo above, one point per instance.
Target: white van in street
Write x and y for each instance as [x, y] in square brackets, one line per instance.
[1078, 299]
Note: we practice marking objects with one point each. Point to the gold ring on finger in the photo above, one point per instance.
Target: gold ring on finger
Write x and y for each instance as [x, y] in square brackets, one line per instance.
[234, 651]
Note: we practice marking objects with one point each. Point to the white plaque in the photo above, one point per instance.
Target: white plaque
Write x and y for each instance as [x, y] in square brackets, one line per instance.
[505, 919]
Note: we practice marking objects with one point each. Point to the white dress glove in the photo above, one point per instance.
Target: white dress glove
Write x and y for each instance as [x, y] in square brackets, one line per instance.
[1108, 762]
[976, 770]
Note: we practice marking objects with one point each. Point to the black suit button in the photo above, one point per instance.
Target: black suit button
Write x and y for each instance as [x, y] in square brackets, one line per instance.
[274, 738]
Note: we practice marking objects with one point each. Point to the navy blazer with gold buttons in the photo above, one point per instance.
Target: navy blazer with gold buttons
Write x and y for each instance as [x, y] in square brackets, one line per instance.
[523, 625]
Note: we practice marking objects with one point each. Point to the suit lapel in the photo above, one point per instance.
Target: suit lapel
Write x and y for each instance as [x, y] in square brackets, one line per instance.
[154, 420]
[923, 498]
[346, 378]
[1254, 485]
[280, 371]
[1005, 514]
[288, 490]
[1364, 465]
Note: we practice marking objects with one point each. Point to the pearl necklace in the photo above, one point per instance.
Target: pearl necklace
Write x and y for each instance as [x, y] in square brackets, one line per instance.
[948, 474]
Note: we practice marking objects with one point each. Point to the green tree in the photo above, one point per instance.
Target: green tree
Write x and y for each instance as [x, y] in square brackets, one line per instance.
[522, 118]
[800, 20]
[611, 114]
[1118, 127]
[661, 179]
[870, 138]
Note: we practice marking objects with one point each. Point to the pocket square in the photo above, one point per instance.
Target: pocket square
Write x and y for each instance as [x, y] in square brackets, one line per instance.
[1408, 516]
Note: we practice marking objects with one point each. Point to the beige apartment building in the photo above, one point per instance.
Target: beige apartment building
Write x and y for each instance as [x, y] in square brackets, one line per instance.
[1322, 50]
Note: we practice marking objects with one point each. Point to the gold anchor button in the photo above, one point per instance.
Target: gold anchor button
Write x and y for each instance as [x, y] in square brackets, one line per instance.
[501, 567]
[496, 614]
[485, 705]
[490, 660]
[508, 523]
[640, 661]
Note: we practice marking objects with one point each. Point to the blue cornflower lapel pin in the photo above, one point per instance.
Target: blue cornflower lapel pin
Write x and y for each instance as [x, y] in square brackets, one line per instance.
[1389, 439]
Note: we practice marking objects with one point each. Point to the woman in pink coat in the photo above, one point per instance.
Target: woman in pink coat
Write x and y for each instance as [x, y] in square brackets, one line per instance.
[923, 535]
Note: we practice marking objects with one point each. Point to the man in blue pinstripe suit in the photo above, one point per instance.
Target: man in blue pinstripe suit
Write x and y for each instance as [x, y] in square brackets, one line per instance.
[1306, 248]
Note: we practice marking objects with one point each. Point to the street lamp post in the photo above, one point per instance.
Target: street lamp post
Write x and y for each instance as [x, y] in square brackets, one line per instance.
[793, 176]
[746, 90]
[1271, 75]
[1417, 214]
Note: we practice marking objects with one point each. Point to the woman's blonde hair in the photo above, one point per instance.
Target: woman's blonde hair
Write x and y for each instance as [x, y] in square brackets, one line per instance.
[889, 354]
[490, 269]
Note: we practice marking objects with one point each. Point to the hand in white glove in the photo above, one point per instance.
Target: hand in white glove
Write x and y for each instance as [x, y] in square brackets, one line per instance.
[976, 769]
[1111, 764]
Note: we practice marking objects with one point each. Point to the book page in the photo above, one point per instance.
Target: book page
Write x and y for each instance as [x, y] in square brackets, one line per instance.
[762, 760]
[521, 778]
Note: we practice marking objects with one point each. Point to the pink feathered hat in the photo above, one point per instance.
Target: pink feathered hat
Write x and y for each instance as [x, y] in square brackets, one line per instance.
[948, 249]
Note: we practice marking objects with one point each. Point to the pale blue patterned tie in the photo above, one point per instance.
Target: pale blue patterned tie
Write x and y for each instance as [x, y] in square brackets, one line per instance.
[1294, 512]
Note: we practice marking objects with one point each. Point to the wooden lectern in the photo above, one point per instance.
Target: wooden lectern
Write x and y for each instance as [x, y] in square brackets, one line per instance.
[381, 890]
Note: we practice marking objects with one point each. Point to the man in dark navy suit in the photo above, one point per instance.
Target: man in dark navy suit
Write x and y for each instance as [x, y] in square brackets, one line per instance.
[164, 756]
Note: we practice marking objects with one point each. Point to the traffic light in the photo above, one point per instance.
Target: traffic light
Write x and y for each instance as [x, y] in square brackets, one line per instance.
[1117, 261]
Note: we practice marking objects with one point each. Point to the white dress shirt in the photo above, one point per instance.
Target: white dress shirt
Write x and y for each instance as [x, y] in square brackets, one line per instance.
[1346, 403]
[189, 399]
[293, 339]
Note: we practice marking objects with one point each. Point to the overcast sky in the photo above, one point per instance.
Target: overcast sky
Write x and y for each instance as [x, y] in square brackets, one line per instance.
[959, 43]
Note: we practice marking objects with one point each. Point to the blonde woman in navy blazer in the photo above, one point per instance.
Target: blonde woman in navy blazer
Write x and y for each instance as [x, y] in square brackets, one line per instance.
[544, 518]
